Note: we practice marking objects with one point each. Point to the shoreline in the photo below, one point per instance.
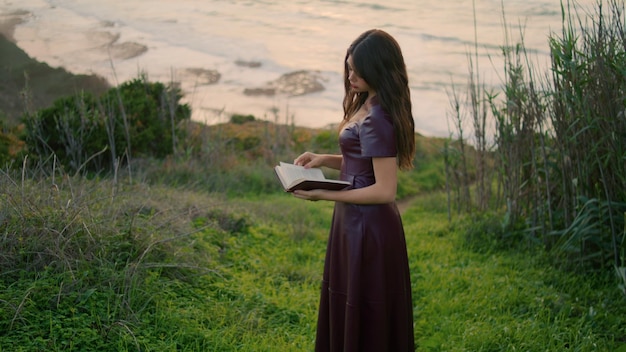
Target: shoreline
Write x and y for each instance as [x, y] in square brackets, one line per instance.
[200, 86]
[8, 23]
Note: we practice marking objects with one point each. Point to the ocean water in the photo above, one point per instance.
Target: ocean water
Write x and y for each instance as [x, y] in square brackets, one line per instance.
[189, 41]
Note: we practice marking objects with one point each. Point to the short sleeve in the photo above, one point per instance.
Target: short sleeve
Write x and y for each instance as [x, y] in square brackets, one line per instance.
[377, 135]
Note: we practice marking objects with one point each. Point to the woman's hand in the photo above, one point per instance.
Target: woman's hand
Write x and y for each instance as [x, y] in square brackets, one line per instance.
[313, 195]
[309, 160]
[382, 191]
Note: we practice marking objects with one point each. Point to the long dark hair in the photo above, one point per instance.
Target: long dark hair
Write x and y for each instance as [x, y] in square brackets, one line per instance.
[377, 59]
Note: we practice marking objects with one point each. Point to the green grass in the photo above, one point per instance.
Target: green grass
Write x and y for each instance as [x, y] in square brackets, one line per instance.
[166, 269]
[467, 300]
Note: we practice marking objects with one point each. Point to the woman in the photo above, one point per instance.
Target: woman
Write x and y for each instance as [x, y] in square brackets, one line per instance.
[365, 301]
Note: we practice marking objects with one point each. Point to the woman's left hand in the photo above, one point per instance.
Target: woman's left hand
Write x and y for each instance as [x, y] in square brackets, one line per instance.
[313, 195]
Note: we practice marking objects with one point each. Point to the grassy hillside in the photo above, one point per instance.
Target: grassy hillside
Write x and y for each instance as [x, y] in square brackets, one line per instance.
[94, 265]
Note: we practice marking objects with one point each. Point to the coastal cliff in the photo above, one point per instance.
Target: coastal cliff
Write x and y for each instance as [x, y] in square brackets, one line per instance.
[27, 84]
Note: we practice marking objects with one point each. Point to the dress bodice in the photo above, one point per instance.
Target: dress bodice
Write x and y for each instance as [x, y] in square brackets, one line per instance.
[363, 140]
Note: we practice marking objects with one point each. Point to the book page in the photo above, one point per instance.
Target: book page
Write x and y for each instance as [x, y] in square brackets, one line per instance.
[295, 172]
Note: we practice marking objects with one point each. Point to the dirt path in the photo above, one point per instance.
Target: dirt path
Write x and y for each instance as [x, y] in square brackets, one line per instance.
[404, 204]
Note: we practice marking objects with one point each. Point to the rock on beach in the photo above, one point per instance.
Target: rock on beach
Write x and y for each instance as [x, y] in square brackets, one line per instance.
[293, 84]
[201, 76]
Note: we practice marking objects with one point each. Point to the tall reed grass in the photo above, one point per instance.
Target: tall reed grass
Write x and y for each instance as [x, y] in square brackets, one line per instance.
[556, 166]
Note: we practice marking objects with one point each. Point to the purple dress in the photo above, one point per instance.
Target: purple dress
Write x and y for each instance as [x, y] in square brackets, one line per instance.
[365, 302]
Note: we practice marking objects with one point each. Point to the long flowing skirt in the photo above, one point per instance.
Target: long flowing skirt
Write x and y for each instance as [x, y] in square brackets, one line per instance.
[365, 302]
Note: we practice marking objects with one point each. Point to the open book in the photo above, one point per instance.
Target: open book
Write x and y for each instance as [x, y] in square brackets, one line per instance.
[295, 177]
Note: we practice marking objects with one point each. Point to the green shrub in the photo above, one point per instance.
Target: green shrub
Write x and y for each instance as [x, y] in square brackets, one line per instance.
[71, 129]
[136, 119]
[149, 113]
[241, 119]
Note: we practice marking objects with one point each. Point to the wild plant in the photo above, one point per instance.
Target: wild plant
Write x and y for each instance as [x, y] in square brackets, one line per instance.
[559, 139]
[136, 119]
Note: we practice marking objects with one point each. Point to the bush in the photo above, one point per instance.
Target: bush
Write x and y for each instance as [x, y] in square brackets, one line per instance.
[149, 114]
[136, 119]
[241, 119]
[70, 129]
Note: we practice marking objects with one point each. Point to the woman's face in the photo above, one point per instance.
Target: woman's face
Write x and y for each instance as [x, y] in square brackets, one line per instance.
[357, 83]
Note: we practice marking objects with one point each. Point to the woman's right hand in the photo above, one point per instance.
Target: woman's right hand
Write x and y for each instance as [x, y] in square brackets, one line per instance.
[309, 160]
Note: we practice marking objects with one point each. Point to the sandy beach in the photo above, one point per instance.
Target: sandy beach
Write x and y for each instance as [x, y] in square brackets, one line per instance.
[195, 81]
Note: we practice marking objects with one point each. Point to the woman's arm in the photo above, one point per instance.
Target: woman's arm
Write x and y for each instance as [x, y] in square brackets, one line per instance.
[382, 191]
[309, 160]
